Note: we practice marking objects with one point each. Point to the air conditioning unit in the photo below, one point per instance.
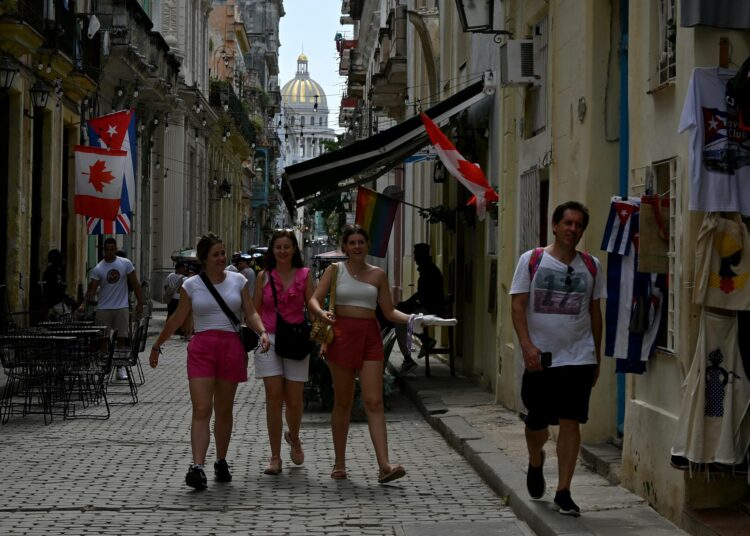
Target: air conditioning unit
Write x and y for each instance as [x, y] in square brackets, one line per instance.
[517, 62]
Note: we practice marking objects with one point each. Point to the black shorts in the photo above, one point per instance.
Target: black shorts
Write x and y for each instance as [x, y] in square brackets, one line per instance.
[172, 306]
[557, 393]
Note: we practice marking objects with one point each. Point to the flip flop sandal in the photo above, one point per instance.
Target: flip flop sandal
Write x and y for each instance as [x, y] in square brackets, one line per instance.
[396, 472]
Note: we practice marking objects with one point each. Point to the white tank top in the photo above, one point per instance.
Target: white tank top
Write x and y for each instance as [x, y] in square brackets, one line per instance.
[349, 291]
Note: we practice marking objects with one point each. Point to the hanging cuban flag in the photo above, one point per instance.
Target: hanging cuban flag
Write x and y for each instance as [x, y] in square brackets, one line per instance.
[99, 178]
[467, 173]
[375, 214]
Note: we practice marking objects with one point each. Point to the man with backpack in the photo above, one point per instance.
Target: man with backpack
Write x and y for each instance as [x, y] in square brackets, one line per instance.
[556, 293]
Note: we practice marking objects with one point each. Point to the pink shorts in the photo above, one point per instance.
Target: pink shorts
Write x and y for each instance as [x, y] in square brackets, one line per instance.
[217, 354]
[355, 340]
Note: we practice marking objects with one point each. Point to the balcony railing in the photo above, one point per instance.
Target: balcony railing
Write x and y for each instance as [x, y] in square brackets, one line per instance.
[221, 93]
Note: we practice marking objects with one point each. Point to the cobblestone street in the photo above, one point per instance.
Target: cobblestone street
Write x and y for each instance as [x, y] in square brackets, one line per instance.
[125, 475]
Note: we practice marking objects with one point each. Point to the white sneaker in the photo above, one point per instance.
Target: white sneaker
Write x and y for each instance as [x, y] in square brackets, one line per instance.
[122, 373]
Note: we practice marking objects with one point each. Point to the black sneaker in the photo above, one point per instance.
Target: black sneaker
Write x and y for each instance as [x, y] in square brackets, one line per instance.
[196, 478]
[221, 471]
[535, 483]
[407, 366]
[429, 344]
[564, 501]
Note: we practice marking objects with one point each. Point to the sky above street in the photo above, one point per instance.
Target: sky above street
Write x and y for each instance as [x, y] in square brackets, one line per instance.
[311, 26]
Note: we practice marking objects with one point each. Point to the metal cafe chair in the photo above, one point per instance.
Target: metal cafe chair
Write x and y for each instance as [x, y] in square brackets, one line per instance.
[127, 357]
[86, 367]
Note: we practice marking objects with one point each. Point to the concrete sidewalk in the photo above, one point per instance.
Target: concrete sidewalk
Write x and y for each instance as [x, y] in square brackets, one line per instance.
[491, 439]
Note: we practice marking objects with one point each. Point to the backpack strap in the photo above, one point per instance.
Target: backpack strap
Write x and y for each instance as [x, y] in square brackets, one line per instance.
[590, 263]
[534, 261]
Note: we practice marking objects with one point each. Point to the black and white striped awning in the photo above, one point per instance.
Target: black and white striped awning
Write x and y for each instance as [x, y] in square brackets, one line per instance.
[369, 158]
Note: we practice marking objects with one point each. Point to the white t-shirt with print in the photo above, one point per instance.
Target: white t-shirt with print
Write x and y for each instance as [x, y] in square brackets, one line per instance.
[207, 313]
[113, 283]
[719, 156]
[558, 309]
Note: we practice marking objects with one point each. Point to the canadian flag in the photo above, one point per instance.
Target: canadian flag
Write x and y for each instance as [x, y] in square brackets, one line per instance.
[99, 178]
[467, 173]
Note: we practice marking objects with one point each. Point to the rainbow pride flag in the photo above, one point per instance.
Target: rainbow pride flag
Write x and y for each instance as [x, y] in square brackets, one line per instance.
[375, 213]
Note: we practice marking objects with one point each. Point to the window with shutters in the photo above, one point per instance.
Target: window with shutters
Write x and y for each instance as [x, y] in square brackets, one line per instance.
[536, 95]
[533, 208]
[666, 55]
[661, 178]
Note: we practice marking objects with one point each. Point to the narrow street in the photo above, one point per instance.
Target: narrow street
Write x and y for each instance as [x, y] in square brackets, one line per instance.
[125, 475]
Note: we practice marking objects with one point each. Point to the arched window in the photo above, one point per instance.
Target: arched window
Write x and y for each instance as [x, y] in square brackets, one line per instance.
[302, 121]
[320, 121]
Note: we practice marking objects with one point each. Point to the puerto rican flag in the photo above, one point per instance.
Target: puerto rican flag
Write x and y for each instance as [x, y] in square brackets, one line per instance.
[467, 173]
[117, 131]
[99, 178]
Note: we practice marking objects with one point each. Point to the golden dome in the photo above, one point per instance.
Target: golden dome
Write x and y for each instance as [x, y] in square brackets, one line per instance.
[302, 57]
[303, 91]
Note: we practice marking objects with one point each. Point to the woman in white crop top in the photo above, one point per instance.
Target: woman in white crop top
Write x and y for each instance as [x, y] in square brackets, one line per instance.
[357, 346]
[216, 358]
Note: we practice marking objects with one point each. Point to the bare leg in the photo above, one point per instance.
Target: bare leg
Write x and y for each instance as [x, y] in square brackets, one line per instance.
[293, 393]
[343, 398]
[274, 401]
[371, 381]
[223, 416]
[535, 440]
[567, 451]
[201, 395]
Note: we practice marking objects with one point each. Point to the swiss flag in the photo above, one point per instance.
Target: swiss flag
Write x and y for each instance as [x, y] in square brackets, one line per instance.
[111, 128]
[99, 178]
[467, 173]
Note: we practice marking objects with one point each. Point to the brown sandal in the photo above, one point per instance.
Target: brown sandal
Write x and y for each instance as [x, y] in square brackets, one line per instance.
[339, 474]
[392, 473]
[274, 466]
[297, 454]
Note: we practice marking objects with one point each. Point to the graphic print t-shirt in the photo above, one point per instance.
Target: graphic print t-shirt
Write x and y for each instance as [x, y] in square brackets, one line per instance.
[719, 149]
[558, 311]
[113, 283]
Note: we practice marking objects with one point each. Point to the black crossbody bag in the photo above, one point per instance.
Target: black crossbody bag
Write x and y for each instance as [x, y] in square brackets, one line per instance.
[250, 339]
[292, 340]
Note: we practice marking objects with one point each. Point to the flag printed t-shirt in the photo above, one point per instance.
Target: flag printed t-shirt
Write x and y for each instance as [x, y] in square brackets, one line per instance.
[558, 310]
[719, 150]
[113, 283]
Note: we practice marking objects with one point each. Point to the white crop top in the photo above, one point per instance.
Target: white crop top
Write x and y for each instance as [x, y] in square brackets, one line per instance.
[349, 291]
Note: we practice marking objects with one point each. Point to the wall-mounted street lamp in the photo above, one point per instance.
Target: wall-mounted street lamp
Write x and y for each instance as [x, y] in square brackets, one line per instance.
[225, 189]
[478, 16]
[39, 94]
[8, 71]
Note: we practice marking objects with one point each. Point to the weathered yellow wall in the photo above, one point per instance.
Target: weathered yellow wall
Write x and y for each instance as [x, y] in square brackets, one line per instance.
[654, 398]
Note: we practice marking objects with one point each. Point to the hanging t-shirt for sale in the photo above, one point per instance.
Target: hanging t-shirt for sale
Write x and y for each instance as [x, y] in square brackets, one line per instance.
[719, 150]
[558, 309]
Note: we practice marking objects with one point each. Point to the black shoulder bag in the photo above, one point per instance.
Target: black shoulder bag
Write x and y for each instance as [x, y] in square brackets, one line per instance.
[292, 340]
[249, 338]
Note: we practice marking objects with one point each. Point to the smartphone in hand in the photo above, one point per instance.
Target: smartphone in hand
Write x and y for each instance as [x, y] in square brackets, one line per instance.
[546, 359]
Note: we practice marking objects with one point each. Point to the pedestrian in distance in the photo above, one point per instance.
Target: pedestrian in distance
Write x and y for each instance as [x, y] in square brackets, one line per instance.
[216, 358]
[556, 313]
[283, 379]
[429, 298]
[172, 285]
[357, 347]
[241, 264]
[111, 277]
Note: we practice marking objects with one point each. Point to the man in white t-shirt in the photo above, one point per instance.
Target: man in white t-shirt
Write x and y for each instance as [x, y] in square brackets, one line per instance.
[241, 264]
[557, 316]
[111, 277]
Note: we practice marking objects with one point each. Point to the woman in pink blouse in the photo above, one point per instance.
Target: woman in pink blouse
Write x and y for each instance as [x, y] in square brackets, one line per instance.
[283, 379]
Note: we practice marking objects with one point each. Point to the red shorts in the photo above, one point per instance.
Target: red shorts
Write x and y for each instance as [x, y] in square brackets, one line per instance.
[355, 340]
[217, 354]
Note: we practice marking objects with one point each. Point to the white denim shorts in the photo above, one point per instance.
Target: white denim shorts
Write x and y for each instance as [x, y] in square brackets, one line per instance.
[269, 364]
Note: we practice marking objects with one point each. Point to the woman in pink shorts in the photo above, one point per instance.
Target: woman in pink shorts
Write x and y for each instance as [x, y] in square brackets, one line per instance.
[216, 360]
[357, 347]
[283, 379]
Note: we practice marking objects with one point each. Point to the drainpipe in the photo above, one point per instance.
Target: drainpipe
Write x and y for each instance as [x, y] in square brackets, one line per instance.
[624, 166]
